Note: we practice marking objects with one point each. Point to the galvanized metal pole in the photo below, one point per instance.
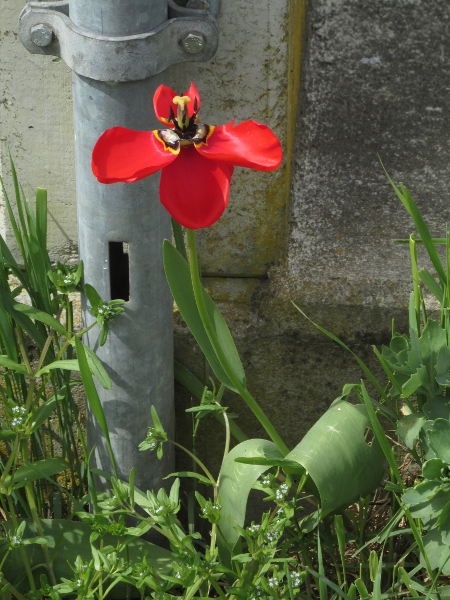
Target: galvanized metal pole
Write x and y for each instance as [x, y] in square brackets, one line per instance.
[117, 50]
[121, 230]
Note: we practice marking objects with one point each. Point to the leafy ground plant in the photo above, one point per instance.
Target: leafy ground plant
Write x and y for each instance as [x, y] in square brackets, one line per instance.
[328, 531]
[43, 453]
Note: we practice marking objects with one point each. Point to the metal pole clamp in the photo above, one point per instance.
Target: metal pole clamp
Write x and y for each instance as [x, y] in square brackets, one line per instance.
[45, 28]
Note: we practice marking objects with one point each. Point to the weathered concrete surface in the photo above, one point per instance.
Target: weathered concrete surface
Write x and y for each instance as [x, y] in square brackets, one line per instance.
[36, 126]
[375, 82]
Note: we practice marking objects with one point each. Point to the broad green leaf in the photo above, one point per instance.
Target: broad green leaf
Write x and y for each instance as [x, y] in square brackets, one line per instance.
[417, 380]
[69, 539]
[7, 363]
[429, 510]
[341, 455]
[422, 492]
[43, 317]
[435, 468]
[36, 470]
[437, 553]
[408, 429]
[438, 436]
[97, 368]
[236, 481]
[92, 295]
[437, 408]
[179, 280]
[70, 364]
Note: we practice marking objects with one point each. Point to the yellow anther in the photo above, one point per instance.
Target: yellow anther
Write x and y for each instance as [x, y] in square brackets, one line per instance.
[182, 111]
[181, 101]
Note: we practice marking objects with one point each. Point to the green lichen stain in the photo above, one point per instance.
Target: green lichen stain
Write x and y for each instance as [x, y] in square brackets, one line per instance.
[252, 235]
[271, 221]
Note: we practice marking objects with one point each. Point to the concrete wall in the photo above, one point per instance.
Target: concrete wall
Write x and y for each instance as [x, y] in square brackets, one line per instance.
[375, 83]
[36, 127]
[375, 79]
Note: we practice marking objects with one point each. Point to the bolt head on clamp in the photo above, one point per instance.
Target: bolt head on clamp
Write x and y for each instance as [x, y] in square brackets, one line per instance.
[41, 35]
[193, 42]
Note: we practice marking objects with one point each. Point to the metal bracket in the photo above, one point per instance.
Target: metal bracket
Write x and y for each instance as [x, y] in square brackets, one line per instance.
[45, 28]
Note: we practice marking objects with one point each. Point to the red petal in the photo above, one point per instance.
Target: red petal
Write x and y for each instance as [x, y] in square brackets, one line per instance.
[126, 155]
[249, 144]
[162, 101]
[193, 94]
[195, 190]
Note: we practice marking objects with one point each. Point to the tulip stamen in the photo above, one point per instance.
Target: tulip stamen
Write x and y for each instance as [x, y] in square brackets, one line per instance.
[182, 119]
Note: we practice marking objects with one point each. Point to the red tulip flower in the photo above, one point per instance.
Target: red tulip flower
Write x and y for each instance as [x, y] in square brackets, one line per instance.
[197, 160]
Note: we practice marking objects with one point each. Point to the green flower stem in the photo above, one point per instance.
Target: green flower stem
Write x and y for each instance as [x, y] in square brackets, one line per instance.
[179, 239]
[240, 387]
[198, 461]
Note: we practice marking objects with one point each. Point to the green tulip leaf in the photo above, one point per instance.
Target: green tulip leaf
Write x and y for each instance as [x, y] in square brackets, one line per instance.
[236, 481]
[341, 455]
[179, 280]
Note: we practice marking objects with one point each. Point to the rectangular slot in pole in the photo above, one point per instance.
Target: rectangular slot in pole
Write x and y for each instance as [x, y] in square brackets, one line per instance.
[119, 271]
